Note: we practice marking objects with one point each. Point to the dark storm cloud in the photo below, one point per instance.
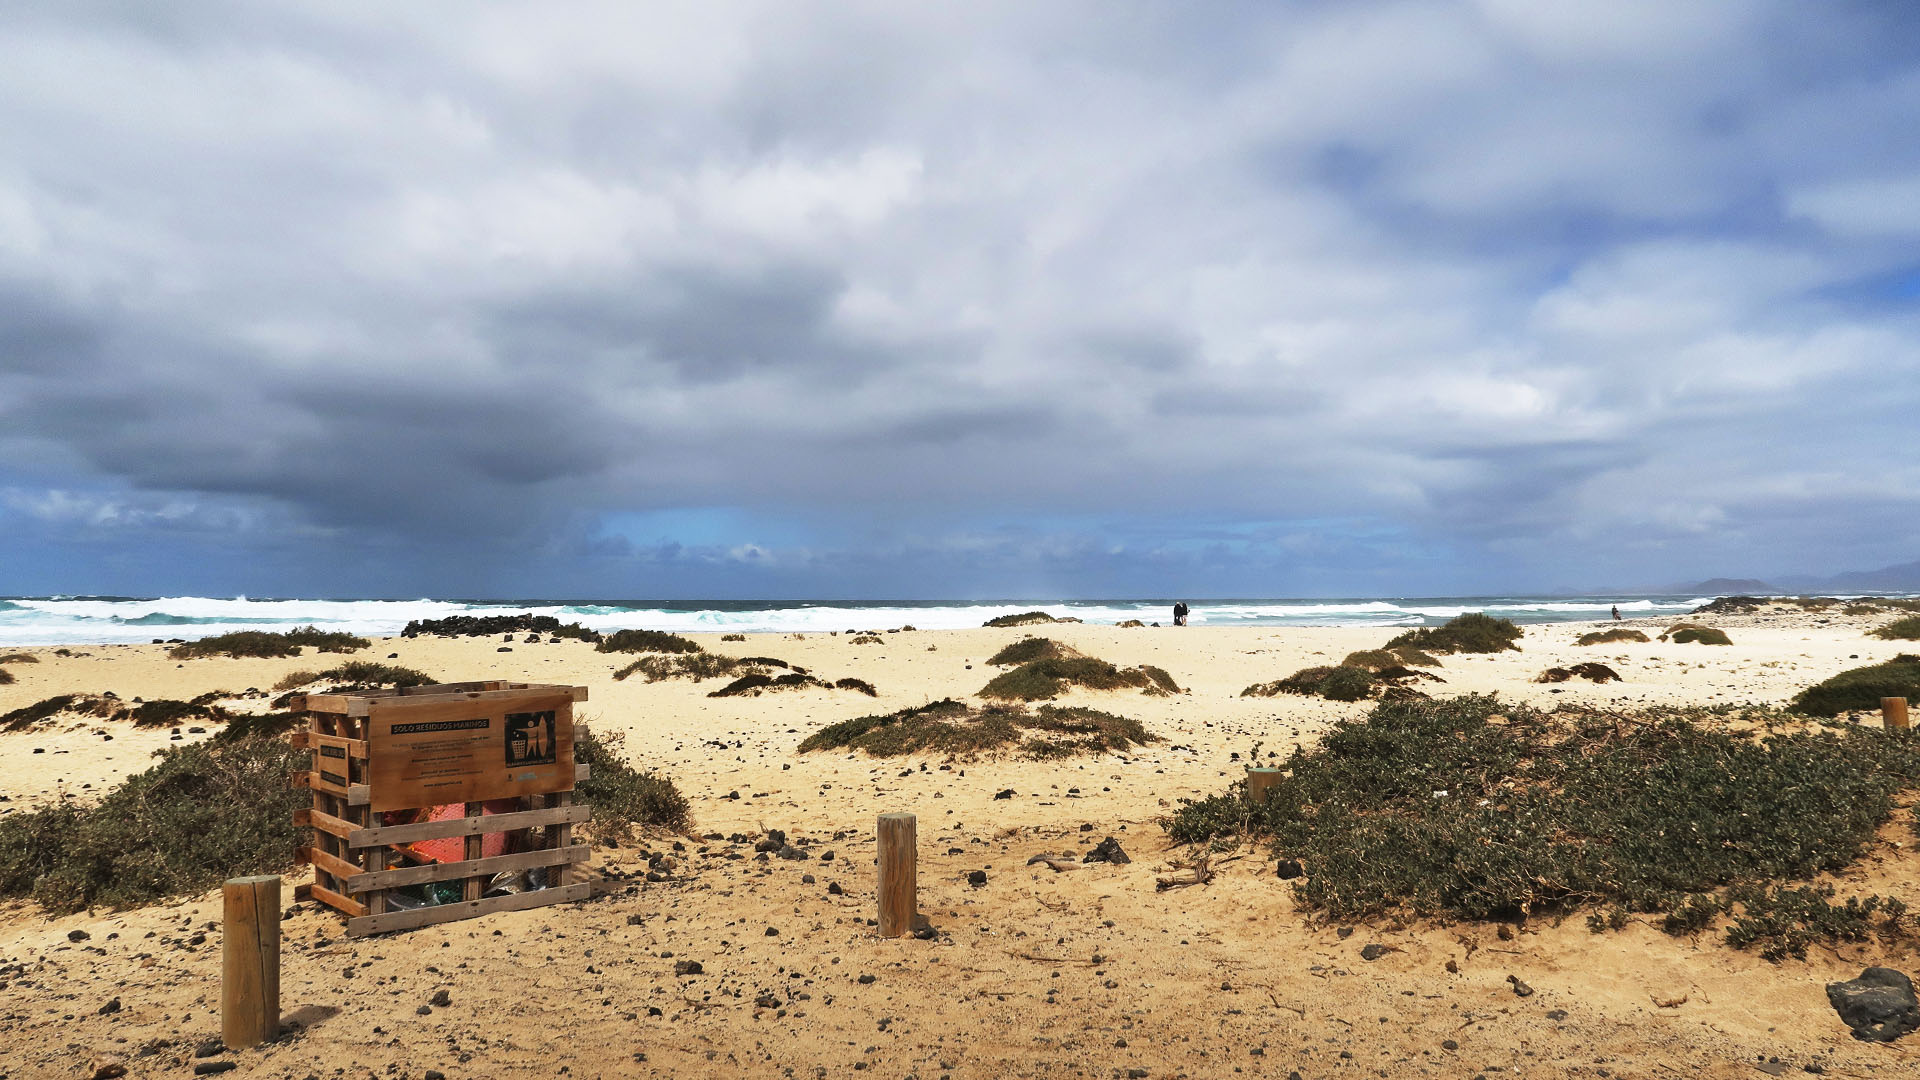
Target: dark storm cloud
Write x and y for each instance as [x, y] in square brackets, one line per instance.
[1491, 283]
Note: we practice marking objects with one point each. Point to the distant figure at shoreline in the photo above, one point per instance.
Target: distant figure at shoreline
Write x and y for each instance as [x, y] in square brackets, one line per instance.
[1616, 611]
[1180, 613]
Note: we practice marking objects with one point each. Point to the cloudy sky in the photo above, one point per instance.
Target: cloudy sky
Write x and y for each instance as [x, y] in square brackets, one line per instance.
[941, 301]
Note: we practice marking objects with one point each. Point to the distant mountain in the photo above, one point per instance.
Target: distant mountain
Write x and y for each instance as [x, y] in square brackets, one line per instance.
[1902, 578]
[1724, 586]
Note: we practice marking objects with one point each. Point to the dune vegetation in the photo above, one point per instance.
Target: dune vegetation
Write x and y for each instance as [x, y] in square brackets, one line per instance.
[1042, 680]
[958, 730]
[1474, 632]
[1474, 808]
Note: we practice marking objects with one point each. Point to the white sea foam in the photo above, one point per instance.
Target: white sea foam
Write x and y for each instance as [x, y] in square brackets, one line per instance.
[69, 621]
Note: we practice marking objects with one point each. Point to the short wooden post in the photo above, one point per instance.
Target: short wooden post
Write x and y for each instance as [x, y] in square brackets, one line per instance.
[250, 961]
[1893, 713]
[899, 874]
[1260, 783]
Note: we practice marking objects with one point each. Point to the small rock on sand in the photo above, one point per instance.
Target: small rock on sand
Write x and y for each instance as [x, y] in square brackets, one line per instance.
[1879, 1005]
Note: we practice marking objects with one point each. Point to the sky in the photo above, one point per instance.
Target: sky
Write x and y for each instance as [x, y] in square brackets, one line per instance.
[902, 301]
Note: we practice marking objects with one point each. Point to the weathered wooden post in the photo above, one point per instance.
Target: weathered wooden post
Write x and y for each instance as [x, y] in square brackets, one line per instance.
[250, 961]
[1260, 783]
[1893, 713]
[899, 874]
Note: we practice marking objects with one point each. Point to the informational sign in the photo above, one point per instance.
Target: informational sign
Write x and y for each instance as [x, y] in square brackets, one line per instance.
[430, 754]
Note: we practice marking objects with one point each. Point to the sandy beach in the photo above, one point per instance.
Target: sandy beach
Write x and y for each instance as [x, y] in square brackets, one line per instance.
[1085, 973]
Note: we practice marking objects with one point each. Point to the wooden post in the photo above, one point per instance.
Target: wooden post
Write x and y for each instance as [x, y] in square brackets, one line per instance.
[1893, 713]
[1260, 782]
[899, 874]
[250, 961]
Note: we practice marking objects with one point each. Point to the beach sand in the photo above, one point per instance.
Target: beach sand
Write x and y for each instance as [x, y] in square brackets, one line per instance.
[1085, 973]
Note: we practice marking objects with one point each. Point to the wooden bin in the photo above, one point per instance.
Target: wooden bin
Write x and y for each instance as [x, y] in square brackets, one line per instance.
[478, 764]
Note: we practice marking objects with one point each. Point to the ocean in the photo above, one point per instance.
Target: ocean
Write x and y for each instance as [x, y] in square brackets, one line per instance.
[88, 620]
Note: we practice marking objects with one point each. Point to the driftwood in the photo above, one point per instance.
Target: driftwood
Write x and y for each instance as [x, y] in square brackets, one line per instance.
[1197, 872]
[1056, 863]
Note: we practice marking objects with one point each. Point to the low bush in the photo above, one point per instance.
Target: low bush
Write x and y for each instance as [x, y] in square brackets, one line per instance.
[1346, 682]
[1473, 808]
[1688, 634]
[651, 641]
[488, 625]
[733, 637]
[1029, 649]
[160, 712]
[1858, 688]
[1607, 637]
[1784, 921]
[696, 666]
[1474, 632]
[1382, 659]
[264, 643]
[368, 675]
[956, 729]
[5, 676]
[1907, 629]
[1024, 618]
[865, 639]
[623, 797]
[1042, 680]
[1590, 671]
[19, 658]
[206, 812]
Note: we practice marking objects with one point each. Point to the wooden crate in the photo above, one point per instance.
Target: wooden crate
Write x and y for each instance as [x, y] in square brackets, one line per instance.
[500, 751]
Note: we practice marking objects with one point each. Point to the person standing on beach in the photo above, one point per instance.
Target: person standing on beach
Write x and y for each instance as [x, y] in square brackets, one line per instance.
[1616, 612]
[1180, 613]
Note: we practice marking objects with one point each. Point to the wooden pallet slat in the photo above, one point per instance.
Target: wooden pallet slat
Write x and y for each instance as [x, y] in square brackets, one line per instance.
[472, 868]
[464, 826]
[465, 909]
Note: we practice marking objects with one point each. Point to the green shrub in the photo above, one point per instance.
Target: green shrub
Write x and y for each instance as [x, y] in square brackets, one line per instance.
[208, 811]
[1907, 629]
[1024, 618]
[6, 676]
[1858, 688]
[19, 658]
[1474, 632]
[624, 797]
[956, 729]
[697, 666]
[654, 641]
[1687, 634]
[1606, 637]
[733, 637]
[263, 643]
[1045, 679]
[1377, 660]
[160, 712]
[1473, 808]
[1343, 683]
[368, 675]
[1592, 672]
[1783, 921]
[1029, 649]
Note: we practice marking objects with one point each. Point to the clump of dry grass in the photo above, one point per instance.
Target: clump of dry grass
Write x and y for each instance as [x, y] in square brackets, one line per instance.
[1042, 680]
[1474, 632]
[1607, 637]
[958, 730]
[1589, 670]
[1690, 633]
[1029, 649]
